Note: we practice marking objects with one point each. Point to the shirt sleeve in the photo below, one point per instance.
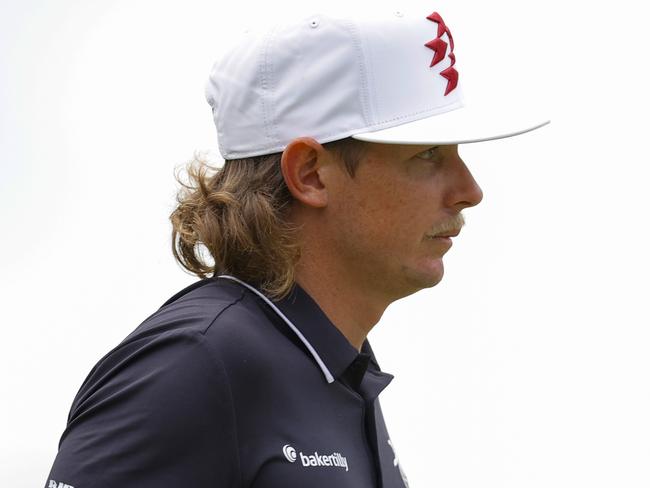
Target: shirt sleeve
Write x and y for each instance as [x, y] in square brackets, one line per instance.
[156, 412]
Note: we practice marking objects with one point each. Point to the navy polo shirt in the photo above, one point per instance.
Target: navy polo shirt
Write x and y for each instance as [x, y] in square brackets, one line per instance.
[221, 387]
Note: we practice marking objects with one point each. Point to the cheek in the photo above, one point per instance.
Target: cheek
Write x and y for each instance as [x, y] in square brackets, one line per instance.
[392, 220]
[385, 215]
[357, 224]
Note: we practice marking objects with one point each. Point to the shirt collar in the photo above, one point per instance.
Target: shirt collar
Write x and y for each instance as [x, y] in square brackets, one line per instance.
[337, 358]
[359, 370]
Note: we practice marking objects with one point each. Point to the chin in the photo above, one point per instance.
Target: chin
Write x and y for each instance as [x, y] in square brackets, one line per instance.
[433, 281]
[426, 277]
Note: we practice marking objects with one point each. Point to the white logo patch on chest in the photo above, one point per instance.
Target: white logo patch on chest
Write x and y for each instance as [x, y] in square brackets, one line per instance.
[398, 465]
[334, 460]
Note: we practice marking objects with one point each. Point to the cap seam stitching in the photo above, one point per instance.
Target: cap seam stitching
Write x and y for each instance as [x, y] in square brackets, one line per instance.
[272, 111]
[263, 82]
[353, 31]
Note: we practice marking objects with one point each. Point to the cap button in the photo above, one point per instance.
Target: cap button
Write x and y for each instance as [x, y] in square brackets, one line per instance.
[313, 23]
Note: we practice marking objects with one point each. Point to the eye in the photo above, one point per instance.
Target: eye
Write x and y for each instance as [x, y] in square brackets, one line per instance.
[429, 154]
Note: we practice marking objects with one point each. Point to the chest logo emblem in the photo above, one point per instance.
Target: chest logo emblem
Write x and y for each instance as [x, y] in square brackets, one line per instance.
[333, 460]
[289, 453]
[398, 465]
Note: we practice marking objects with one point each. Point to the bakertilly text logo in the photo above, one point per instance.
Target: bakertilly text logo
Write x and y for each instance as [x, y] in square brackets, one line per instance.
[334, 460]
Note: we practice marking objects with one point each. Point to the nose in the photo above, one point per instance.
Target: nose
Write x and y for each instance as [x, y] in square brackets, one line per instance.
[464, 191]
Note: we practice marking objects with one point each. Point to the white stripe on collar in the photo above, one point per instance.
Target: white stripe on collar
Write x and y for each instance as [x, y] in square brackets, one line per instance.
[326, 372]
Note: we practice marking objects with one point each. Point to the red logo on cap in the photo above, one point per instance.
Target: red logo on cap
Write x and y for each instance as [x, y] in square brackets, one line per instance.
[439, 48]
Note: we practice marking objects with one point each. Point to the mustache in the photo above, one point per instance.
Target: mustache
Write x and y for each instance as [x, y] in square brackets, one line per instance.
[454, 223]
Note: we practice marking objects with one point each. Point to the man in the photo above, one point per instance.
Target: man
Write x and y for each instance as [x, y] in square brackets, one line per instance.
[341, 191]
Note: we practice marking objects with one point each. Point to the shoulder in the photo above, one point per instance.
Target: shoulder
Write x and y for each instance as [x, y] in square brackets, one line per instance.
[216, 319]
[159, 405]
[226, 315]
[171, 384]
[164, 368]
[209, 334]
[237, 327]
[193, 309]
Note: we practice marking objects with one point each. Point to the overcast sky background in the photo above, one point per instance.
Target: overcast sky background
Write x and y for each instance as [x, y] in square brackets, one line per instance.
[526, 367]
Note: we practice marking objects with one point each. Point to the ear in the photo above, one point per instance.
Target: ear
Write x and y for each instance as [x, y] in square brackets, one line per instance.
[301, 161]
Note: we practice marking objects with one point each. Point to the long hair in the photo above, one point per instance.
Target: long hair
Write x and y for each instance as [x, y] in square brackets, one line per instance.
[237, 215]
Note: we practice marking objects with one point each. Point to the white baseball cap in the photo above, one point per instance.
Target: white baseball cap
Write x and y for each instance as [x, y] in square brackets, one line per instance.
[390, 78]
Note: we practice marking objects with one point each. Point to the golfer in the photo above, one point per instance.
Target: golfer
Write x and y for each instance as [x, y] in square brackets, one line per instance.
[341, 192]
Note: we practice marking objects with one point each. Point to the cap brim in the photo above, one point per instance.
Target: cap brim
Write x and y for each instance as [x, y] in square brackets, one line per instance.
[461, 126]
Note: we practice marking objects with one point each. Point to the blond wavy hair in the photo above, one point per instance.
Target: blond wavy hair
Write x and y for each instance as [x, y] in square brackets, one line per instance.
[238, 215]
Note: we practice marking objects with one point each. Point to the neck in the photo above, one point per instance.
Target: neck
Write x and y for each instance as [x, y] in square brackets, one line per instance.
[350, 304]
